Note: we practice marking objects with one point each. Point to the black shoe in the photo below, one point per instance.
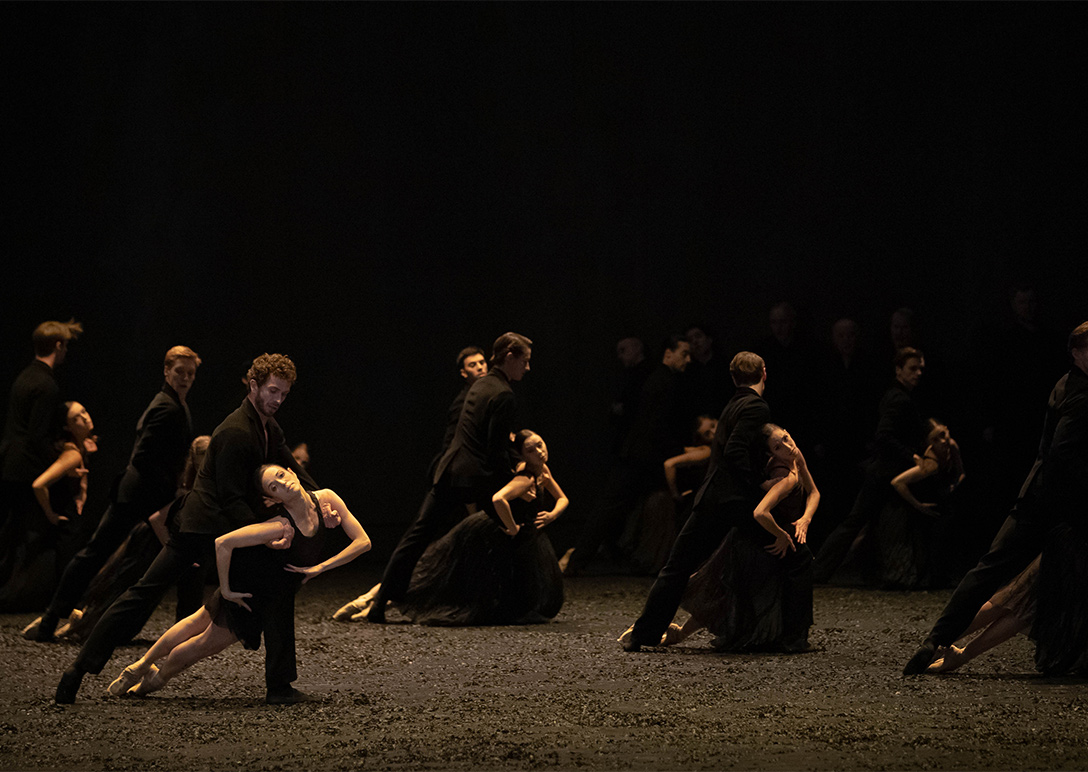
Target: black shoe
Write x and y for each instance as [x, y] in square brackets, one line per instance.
[47, 629]
[376, 613]
[68, 686]
[798, 647]
[628, 642]
[921, 659]
[286, 695]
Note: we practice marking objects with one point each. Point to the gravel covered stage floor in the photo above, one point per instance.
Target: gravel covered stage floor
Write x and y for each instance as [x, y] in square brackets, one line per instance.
[555, 696]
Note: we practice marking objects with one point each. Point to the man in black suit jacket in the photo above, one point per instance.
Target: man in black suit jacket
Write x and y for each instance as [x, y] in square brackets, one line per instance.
[727, 498]
[35, 417]
[656, 433]
[472, 364]
[900, 436]
[225, 496]
[1054, 492]
[149, 483]
[476, 464]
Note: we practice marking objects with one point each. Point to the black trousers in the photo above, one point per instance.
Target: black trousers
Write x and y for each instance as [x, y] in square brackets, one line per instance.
[627, 481]
[443, 507]
[701, 535]
[124, 619]
[117, 522]
[1018, 542]
[872, 496]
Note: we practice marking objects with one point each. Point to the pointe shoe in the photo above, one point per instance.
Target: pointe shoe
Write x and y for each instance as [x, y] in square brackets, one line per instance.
[129, 678]
[349, 611]
[673, 635]
[64, 629]
[151, 682]
[30, 632]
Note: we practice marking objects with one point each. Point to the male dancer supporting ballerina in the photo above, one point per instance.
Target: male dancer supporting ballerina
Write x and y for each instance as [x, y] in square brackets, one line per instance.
[225, 496]
[476, 464]
[150, 482]
[727, 498]
[1055, 491]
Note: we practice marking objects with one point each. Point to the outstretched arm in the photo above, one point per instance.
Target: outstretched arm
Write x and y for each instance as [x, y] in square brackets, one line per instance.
[247, 536]
[359, 544]
[561, 501]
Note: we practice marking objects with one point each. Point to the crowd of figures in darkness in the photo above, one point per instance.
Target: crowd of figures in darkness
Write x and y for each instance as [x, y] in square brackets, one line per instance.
[738, 483]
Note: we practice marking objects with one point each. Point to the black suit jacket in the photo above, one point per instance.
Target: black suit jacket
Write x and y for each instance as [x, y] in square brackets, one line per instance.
[738, 453]
[657, 431]
[163, 434]
[479, 454]
[227, 494]
[1057, 485]
[35, 417]
[900, 432]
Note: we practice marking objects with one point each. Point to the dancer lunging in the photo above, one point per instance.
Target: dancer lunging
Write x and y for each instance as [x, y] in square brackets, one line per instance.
[251, 577]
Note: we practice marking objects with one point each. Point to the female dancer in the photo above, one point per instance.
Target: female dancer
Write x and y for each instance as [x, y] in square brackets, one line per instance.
[48, 544]
[228, 617]
[493, 569]
[909, 532]
[738, 593]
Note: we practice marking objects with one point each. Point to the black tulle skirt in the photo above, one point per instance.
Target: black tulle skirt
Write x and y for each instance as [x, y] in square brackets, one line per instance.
[477, 575]
[1060, 630]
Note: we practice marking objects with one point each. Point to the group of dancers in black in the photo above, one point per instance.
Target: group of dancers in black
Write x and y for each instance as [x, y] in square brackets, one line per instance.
[476, 553]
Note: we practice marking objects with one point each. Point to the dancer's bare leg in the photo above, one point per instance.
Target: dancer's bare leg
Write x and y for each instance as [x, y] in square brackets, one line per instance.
[1005, 627]
[182, 631]
[208, 643]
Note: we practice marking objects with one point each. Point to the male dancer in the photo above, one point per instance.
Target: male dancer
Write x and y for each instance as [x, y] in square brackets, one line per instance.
[657, 432]
[472, 366]
[900, 433]
[225, 496]
[35, 417]
[1055, 491]
[476, 464]
[727, 498]
[149, 483]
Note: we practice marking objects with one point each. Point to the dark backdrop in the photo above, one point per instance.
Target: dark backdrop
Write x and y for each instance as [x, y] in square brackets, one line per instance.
[370, 187]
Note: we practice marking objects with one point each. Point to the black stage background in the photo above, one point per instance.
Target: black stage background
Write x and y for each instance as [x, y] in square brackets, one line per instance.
[370, 187]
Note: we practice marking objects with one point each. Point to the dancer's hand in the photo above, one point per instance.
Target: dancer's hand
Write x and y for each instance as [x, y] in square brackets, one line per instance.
[236, 597]
[511, 532]
[285, 540]
[800, 529]
[928, 508]
[330, 515]
[782, 544]
[543, 518]
[308, 572]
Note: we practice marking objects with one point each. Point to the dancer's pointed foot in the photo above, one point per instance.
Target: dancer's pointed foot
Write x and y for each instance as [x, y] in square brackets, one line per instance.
[129, 677]
[151, 682]
[952, 659]
[673, 635]
[565, 560]
[349, 611]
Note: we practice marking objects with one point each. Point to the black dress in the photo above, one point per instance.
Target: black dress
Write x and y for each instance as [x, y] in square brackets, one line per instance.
[477, 575]
[1060, 630]
[909, 543]
[261, 571]
[738, 592]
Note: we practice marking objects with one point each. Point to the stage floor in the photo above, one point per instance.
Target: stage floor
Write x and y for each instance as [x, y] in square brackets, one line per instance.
[555, 696]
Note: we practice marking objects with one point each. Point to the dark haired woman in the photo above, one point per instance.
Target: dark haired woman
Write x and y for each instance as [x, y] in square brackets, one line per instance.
[496, 569]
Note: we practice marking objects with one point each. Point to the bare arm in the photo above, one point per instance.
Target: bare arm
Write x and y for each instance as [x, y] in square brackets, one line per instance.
[246, 536]
[359, 544]
[902, 482]
[70, 459]
[561, 500]
[812, 500]
[763, 516]
[690, 457]
[501, 500]
[957, 464]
